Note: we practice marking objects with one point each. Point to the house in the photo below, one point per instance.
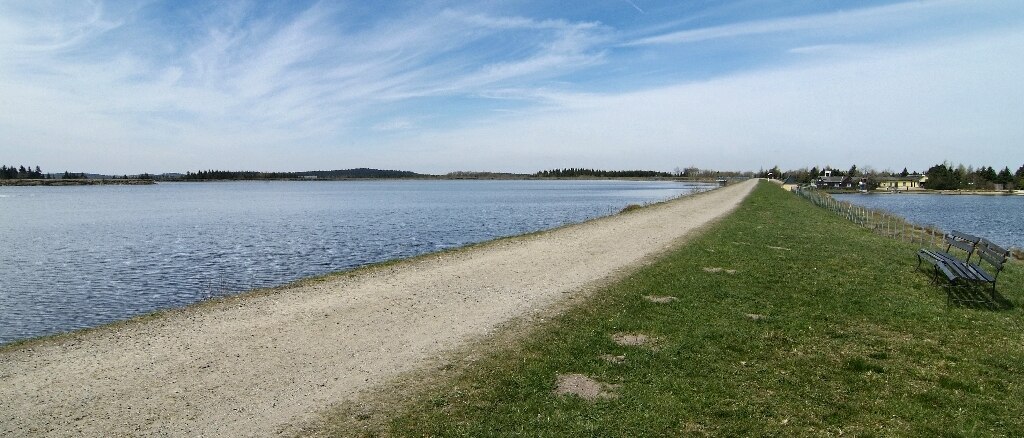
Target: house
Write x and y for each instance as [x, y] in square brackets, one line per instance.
[829, 182]
[902, 183]
[790, 183]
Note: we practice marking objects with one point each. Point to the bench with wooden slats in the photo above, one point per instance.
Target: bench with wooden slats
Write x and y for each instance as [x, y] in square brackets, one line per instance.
[959, 273]
[996, 256]
[955, 239]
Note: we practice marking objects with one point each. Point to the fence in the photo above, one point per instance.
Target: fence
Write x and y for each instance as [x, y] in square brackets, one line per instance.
[883, 223]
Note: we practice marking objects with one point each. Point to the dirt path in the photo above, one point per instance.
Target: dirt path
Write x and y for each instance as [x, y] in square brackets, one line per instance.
[256, 365]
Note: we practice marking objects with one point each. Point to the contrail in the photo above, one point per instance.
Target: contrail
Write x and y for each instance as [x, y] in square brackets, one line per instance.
[634, 6]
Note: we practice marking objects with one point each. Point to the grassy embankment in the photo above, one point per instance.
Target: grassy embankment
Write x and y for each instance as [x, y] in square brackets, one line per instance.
[824, 328]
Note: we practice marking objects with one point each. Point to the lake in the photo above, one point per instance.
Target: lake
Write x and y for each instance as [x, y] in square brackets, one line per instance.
[82, 256]
[999, 219]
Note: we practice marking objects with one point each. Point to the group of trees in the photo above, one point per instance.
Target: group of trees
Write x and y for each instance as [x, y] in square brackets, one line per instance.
[206, 175]
[947, 177]
[943, 176]
[27, 172]
[72, 175]
[227, 174]
[21, 172]
[577, 172]
[808, 176]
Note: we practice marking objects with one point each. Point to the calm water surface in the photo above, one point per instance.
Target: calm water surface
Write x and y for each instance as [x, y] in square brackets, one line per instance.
[75, 257]
[997, 218]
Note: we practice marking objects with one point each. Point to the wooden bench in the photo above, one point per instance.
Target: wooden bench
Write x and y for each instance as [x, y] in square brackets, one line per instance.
[955, 239]
[995, 256]
[964, 274]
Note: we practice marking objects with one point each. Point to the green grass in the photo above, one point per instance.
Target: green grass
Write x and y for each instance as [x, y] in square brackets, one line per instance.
[853, 342]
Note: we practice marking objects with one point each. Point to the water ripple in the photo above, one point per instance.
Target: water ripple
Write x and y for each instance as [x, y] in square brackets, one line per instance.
[76, 257]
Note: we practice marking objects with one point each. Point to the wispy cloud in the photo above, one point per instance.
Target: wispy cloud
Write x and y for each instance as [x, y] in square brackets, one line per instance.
[631, 3]
[913, 105]
[309, 76]
[833, 21]
[28, 28]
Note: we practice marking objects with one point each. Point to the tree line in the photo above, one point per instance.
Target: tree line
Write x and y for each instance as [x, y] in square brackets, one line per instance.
[207, 175]
[577, 172]
[943, 176]
[21, 172]
[947, 177]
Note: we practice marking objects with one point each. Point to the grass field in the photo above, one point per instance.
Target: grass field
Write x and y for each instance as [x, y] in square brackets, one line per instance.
[788, 321]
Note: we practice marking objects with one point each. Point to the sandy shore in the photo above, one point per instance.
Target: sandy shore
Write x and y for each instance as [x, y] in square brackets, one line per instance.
[258, 365]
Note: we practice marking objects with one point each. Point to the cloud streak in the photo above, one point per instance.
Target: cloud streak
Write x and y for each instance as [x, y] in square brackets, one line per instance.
[856, 19]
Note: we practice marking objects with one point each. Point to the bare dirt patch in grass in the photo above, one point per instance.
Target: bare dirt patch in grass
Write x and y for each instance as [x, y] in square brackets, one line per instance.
[632, 339]
[583, 387]
[613, 359]
[713, 270]
[660, 299]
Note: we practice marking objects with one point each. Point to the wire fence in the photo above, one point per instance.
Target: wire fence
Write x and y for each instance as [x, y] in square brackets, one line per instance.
[878, 221]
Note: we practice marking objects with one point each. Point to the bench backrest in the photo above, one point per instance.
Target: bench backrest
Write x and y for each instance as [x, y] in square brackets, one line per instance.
[994, 254]
[963, 241]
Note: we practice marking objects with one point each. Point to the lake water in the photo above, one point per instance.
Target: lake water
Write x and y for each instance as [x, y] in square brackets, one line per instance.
[75, 257]
[999, 219]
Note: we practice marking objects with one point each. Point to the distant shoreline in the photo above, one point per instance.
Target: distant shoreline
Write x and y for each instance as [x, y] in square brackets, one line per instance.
[110, 181]
[934, 192]
[74, 182]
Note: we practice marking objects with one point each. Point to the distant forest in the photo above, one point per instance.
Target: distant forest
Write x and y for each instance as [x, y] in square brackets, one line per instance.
[576, 172]
[21, 172]
[208, 175]
[943, 176]
[27, 172]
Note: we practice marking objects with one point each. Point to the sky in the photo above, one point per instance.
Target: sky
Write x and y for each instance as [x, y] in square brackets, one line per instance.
[510, 86]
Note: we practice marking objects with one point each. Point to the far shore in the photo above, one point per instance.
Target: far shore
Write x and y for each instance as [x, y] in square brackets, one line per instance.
[74, 182]
[932, 192]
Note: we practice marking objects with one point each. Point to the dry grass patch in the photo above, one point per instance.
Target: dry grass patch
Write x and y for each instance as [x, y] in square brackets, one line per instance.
[583, 387]
[613, 359]
[632, 339]
[713, 270]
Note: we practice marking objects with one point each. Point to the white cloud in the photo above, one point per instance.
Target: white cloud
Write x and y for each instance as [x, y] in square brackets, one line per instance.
[257, 83]
[915, 106]
[856, 19]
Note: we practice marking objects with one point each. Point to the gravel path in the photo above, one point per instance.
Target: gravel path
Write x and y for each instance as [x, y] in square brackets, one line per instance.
[260, 364]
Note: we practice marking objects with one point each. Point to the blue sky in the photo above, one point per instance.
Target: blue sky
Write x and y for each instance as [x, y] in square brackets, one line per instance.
[439, 86]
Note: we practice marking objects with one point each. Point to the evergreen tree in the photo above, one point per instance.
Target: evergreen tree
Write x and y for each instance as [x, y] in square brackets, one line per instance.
[941, 177]
[988, 174]
[1004, 177]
